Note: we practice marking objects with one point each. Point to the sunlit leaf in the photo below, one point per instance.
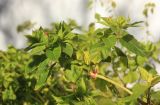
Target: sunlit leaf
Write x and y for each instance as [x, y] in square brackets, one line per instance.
[54, 54]
[68, 49]
[37, 49]
[145, 75]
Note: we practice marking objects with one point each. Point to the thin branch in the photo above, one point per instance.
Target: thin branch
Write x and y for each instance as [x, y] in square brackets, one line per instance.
[114, 83]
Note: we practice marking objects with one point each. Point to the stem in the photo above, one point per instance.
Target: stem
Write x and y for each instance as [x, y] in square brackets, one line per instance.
[40, 97]
[114, 83]
[148, 97]
[35, 98]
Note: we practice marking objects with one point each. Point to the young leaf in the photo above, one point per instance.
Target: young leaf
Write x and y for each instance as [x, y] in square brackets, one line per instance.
[135, 24]
[49, 54]
[86, 57]
[54, 54]
[109, 41]
[79, 55]
[68, 49]
[73, 74]
[37, 50]
[70, 35]
[155, 80]
[141, 60]
[131, 77]
[145, 75]
[60, 33]
[59, 100]
[8, 94]
[95, 57]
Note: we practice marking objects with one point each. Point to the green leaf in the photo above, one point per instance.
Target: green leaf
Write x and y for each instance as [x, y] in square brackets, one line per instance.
[8, 94]
[97, 92]
[81, 86]
[106, 101]
[122, 56]
[43, 37]
[37, 44]
[86, 57]
[54, 54]
[155, 97]
[87, 101]
[42, 74]
[138, 90]
[115, 23]
[49, 54]
[57, 53]
[105, 54]
[37, 50]
[119, 52]
[133, 45]
[60, 33]
[31, 39]
[155, 80]
[132, 76]
[145, 75]
[54, 39]
[70, 35]
[79, 55]
[141, 60]
[109, 41]
[96, 57]
[59, 100]
[73, 74]
[136, 24]
[68, 49]
[42, 79]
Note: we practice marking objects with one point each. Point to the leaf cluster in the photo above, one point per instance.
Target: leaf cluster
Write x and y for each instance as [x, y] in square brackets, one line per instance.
[60, 66]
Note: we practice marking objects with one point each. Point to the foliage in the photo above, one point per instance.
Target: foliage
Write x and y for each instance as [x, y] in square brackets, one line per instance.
[63, 67]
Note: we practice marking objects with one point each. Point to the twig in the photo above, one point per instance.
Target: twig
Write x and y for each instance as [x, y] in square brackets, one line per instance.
[148, 97]
[114, 83]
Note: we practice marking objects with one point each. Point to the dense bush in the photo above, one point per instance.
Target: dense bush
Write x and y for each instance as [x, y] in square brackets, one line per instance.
[63, 66]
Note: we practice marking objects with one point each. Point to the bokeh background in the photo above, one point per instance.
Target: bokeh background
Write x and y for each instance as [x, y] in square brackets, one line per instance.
[43, 12]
